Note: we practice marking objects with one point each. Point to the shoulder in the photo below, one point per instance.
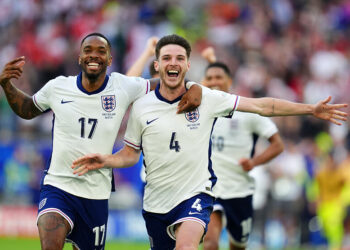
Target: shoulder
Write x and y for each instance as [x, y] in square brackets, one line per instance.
[132, 79]
[145, 101]
[59, 80]
[213, 93]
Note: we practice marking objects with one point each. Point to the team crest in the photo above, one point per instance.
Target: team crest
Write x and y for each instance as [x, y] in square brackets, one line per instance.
[192, 116]
[108, 102]
[42, 203]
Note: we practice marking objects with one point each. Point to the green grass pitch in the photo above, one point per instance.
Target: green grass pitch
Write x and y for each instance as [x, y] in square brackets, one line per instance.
[34, 244]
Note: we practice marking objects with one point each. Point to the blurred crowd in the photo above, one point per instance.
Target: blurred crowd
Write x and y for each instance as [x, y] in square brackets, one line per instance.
[292, 49]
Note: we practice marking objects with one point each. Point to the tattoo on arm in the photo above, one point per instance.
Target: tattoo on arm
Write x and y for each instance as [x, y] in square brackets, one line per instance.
[21, 103]
[273, 106]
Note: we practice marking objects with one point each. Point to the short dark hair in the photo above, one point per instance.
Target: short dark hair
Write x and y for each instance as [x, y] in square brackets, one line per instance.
[173, 39]
[97, 34]
[219, 65]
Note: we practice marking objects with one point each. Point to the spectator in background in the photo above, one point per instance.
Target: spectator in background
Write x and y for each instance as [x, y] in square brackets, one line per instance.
[286, 35]
[331, 181]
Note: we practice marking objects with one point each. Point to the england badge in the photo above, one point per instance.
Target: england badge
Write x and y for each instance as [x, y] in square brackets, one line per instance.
[108, 102]
[192, 116]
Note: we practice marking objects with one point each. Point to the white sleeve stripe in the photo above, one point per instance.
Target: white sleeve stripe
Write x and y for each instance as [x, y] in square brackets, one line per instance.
[132, 145]
[37, 105]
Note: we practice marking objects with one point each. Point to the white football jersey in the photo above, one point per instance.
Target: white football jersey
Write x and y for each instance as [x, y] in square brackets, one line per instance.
[85, 122]
[176, 147]
[232, 140]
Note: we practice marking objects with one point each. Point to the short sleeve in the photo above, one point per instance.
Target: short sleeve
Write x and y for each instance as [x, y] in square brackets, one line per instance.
[41, 98]
[135, 87]
[264, 126]
[133, 131]
[221, 103]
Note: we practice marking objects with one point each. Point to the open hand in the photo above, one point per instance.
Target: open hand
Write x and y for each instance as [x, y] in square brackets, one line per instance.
[330, 112]
[12, 69]
[88, 162]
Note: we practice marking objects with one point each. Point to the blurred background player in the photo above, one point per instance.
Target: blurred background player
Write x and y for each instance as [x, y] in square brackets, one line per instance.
[233, 157]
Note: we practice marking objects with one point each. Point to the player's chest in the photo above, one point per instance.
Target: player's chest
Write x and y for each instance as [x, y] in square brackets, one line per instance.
[105, 106]
[163, 121]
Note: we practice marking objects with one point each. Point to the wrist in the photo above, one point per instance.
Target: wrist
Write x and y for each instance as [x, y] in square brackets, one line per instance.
[3, 83]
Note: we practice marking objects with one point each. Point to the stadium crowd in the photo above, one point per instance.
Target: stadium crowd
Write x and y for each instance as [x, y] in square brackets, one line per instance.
[296, 50]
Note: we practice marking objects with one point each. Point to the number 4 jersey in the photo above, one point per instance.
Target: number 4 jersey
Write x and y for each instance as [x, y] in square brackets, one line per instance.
[176, 147]
[85, 122]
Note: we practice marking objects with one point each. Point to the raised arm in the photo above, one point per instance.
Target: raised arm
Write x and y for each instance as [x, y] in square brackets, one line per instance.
[275, 148]
[209, 54]
[268, 106]
[137, 68]
[126, 157]
[21, 103]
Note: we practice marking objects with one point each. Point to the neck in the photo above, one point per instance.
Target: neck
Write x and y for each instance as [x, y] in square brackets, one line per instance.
[91, 84]
[171, 93]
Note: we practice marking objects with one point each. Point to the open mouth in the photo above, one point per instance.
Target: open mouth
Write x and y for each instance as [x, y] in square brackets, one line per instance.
[173, 73]
[93, 65]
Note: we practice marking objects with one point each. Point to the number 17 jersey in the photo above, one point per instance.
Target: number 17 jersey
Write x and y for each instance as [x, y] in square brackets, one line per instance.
[85, 122]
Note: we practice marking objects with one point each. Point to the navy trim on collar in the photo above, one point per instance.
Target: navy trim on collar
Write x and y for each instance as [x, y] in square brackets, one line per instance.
[80, 85]
[160, 97]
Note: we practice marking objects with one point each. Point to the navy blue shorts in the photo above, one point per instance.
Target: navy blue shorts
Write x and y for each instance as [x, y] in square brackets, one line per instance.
[161, 227]
[87, 218]
[239, 215]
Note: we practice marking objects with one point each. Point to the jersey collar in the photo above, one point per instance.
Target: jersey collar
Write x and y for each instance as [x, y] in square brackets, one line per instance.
[80, 85]
[160, 97]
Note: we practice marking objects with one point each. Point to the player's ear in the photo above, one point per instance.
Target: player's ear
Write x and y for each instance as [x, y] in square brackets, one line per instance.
[109, 63]
[156, 65]
[79, 60]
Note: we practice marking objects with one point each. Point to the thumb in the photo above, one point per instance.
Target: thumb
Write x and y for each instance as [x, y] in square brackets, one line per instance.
[327, 100]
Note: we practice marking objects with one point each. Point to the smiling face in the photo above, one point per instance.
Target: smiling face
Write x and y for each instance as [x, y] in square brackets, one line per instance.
[95, 57]
[217, 78]
[172, 65]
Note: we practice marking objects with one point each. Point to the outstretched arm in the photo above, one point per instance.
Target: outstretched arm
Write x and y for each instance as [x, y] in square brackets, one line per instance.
[126, 157]
[268, 106]
[21, 103]
[275, 148]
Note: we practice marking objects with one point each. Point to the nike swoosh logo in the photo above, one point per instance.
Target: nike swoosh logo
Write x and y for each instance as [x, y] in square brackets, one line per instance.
[63, 102]
[193, 213]
[148, 122]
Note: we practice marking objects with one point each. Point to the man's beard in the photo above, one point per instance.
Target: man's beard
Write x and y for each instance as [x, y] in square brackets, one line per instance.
[93, 76]
[163, 75]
